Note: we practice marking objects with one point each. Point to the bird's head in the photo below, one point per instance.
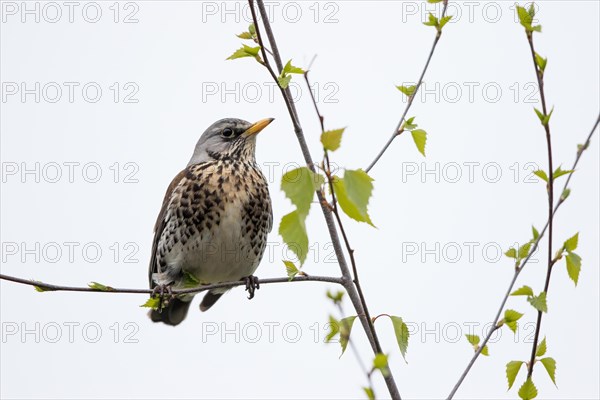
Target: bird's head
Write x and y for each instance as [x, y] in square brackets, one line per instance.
[228, 138]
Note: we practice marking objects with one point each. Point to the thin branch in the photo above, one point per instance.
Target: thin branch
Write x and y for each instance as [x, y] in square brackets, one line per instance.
[333, 233]
[354, 270]
[398, 131]
[580, 151]
[540, 79]
[314, 101]
[522, 265]
[54, 288]
[336, 213]
[348, 248]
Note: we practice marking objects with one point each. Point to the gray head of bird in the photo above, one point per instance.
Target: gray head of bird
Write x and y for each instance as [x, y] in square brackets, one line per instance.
[228, 138]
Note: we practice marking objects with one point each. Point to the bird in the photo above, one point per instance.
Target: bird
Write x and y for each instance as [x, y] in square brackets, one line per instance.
[214, 220]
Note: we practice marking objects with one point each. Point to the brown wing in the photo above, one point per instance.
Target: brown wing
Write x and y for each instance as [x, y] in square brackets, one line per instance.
[160, 224]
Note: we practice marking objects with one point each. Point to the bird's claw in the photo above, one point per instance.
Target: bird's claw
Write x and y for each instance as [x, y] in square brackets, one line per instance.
[163, 292]
[251, 285]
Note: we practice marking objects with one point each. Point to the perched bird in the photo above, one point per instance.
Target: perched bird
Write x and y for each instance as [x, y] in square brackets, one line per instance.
[214, 220]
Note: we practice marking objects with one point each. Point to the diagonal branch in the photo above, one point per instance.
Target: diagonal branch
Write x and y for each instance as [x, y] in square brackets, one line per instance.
[333, 233]
[336, 213]
[518, 270]
[398, 131]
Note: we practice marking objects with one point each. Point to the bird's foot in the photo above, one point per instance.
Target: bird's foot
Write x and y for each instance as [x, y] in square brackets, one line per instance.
[251, 285]
[163, 292]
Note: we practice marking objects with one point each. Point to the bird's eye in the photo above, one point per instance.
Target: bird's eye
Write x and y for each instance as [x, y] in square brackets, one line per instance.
[227, 133]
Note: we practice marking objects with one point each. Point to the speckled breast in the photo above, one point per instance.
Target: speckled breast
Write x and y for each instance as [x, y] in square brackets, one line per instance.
[218, 222]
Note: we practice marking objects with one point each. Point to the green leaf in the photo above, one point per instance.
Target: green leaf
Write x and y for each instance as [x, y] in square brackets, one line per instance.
[473, 339]
[331, 140]
[547, 119]
[511, 253]
[541, 174]
[345, 329]
[512, 326]
[402, 334]
[291, 269]
[560, 172]
[189, 280]
[245, 35]
[334, 326]
[573, 266]
[539, 302]
[510, 318]
[565, 194]
[42, 289]
[284, 81]
[245, 51]
[524, 250]
[299, 185]
[523, 291]
[535, 232]
[550, 366]
[284, 78]
[293, 232]
[544, 118]
[528, 391]
[434, 1]
[582, 147]
[571, 243]
[485, 351]
[353, 193]
[290, 69]
[539, 114]
[444, 21]
[408, 124]
[101, 287]
[252, 29]
[369, 392]
[541, 349]
[407, 90]
[540, 62]
[152, 302]
[335, 297]
[380, 362]
[432, 21]
[512, 370]
[251, 51]
[420, 138]
[524, 18]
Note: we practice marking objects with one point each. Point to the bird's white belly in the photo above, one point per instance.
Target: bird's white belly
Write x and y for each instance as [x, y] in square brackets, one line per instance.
[220, 254]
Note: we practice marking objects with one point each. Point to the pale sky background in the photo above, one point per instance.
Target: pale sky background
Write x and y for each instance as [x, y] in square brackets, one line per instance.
[432, 260]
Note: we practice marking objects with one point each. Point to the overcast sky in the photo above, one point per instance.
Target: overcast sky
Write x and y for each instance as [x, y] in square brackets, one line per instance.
[102, 104]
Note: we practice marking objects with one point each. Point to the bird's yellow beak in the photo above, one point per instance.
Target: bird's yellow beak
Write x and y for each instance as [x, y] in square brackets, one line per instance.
[257, 127]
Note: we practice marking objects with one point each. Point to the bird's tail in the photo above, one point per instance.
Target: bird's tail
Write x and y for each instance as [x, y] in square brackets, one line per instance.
[209, 299]
[173, 313]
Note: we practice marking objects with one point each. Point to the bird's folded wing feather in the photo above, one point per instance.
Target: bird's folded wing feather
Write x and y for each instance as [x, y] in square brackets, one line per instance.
[161, 222]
